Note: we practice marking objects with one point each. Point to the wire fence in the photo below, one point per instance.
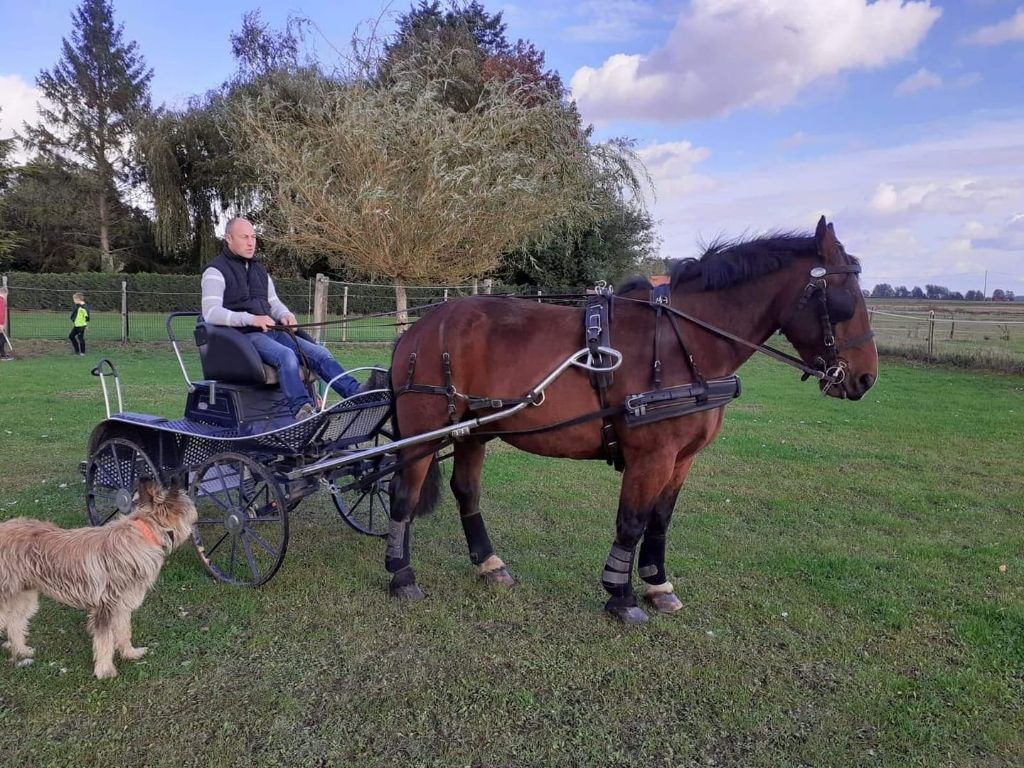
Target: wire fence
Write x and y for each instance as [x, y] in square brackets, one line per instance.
[969, 334]
[357, 312]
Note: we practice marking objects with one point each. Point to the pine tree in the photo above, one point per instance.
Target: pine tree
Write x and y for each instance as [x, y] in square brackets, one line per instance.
[95, 92]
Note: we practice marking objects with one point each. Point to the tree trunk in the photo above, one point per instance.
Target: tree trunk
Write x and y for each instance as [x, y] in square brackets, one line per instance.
[402, 305]
[106, 260]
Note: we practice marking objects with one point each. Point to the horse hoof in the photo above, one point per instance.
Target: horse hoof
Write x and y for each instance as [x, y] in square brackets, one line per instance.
[409, 593]
[499, 576]
[664, 602]
[628, 614]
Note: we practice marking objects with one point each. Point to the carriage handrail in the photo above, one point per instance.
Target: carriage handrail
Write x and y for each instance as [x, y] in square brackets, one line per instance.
[535, 396]
[174, 342]
[98, 371]
[350, 371]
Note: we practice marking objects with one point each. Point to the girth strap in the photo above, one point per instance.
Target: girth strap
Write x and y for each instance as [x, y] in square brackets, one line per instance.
[597, 313]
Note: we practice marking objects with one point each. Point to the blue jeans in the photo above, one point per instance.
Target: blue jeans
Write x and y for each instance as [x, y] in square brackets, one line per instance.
[278, 350]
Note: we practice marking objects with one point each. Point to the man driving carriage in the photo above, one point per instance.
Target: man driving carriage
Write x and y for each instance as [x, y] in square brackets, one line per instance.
[238, 292]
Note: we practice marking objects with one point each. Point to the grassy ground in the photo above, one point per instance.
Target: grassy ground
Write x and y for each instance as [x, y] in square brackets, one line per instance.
[839, 566]
[151, 326]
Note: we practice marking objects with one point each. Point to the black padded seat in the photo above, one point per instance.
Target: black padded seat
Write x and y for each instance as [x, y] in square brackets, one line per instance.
[227, 355]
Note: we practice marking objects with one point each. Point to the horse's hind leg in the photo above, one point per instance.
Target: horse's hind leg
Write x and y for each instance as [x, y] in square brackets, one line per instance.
[409, 488]
[651, 564]
[469, 462]
[642, 482]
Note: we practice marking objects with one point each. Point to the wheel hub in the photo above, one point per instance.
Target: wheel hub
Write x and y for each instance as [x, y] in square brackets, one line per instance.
[123, 501]
[234, 523]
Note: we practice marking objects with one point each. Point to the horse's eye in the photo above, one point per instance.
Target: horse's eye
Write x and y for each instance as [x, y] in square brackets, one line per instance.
[841, 304]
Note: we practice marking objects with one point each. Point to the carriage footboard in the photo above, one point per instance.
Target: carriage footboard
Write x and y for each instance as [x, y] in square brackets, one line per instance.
[683, 400]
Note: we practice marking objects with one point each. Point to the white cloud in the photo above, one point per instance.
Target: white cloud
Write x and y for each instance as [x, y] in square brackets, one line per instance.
[956, 196]
[726, 54]
[671, 168]
[906, 210]
[1003, 32]
[1006, 235]
[919, 81]
[17, 104]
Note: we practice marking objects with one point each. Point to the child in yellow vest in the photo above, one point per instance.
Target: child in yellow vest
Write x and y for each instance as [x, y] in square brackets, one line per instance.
[79, 322]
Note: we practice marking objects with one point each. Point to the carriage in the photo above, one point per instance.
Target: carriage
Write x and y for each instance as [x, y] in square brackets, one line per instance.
[247, 462]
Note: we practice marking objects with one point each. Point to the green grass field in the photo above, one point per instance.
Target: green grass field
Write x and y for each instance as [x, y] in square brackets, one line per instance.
[151, 326]
[839, 565]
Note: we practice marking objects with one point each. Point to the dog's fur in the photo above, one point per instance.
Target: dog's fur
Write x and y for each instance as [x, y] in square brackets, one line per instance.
[106, 571]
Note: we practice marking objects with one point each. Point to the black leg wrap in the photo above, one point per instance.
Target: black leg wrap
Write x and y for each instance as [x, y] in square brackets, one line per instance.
[651, 565]
[476, 538]
[617, 576]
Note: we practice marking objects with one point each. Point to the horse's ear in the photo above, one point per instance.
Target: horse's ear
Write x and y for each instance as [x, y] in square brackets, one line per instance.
[819, 233]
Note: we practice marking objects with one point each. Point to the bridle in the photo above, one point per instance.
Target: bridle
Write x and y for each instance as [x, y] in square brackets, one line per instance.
[832, 308]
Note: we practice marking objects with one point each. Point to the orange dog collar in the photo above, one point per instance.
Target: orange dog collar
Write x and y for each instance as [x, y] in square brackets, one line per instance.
[142, 527]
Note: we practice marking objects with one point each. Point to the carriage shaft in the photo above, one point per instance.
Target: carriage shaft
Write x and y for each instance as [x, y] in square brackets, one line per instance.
[579, 359]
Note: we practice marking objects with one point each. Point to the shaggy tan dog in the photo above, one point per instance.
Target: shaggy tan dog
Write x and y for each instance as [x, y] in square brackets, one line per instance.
[106, 571]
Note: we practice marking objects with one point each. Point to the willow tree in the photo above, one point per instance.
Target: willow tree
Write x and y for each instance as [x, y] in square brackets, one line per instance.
[388, 180]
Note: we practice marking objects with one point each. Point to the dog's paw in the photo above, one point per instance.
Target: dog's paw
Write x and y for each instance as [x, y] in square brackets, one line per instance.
[105, 673]
[134, 654]
[24, 652]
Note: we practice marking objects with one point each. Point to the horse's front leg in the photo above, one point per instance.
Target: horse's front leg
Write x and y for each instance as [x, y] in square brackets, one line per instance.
[660, 593]
[642, 482]
[407, 492]
[469, 462]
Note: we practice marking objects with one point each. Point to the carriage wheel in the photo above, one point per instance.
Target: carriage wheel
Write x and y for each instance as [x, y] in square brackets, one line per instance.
[241, 533]
[111, 478]
[366, 505]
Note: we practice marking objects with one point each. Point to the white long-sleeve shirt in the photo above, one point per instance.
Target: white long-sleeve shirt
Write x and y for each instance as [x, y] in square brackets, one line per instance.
[214, 311]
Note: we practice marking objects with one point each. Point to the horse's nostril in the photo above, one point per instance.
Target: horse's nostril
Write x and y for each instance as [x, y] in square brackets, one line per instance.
[866, 381]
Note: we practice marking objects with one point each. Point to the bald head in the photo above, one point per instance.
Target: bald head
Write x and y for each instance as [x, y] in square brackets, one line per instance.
[240, 237]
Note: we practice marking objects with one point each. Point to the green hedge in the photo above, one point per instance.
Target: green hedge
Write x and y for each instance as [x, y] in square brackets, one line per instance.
[152, 292]
[147, 291]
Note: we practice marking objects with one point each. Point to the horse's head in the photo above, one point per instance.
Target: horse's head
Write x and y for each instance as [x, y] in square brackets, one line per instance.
[830, 328]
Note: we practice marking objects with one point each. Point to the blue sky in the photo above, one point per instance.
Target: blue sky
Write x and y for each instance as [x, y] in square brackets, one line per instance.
[902, 120]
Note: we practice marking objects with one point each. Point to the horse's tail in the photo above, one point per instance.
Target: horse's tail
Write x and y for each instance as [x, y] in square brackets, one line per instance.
[430, 493]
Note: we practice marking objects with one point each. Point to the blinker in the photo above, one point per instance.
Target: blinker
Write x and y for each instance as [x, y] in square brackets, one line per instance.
[841, 304]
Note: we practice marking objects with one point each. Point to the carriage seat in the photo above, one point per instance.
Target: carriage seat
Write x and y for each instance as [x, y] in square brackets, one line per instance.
[227, 355]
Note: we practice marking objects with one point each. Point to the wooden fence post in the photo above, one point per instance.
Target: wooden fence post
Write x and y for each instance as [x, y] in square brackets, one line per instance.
[446, 294]
[124, 310]
[320, 306]
[476, 288]
[344, 313]
[931, 333]
[488, 286]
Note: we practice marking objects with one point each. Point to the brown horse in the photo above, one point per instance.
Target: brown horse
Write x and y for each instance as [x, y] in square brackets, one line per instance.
[502, 347]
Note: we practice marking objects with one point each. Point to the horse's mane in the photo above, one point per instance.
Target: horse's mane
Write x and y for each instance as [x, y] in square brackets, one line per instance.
[726, 263]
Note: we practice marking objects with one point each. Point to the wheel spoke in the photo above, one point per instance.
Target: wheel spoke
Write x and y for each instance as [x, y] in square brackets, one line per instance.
[231, 561]
[117, 465]
[249, 556]
[211, 550]
[210, 521]
[261, 520]
[263, 543]
[109, 517]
